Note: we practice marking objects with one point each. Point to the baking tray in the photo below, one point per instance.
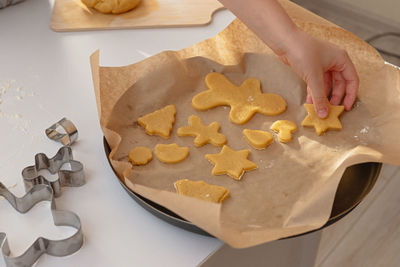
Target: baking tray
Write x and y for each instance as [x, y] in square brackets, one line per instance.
[357, 181]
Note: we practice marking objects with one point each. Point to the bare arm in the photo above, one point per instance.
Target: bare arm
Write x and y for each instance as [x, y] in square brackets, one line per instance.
[319, 64]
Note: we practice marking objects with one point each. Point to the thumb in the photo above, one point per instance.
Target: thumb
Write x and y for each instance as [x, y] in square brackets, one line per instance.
[317, 88]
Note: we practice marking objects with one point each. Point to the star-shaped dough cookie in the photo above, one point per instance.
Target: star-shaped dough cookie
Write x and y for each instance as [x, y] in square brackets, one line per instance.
[201, 190]
[231, 162]
[204, 134]
[322, 125]
[159, 122]
[245, 100]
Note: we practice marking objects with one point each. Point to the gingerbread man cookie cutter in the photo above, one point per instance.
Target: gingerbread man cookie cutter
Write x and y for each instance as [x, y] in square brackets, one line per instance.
[41, 245]
[72, 178]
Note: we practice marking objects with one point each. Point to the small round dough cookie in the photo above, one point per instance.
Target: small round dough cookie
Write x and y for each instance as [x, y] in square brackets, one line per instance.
[171, 153]
[140, 155]
[112, 6]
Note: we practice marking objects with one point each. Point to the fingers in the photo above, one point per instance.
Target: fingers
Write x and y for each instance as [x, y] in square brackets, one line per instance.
[339, 88]
[317, 87]
[309, 97]
[284, 60]
[351, 81]
[328, 82]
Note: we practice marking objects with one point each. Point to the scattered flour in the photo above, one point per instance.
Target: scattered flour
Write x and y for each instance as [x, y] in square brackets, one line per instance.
[9, 91]
[365, 130]
[269, 164]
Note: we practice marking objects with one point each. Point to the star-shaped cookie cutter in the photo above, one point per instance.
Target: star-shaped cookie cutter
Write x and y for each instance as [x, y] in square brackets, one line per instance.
[41, 245]
[72, 178]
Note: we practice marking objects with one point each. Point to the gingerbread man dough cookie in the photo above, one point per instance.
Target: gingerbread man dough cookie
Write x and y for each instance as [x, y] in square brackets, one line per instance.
[231, 162]
[258, 139]
[171, 153]
[245, 100]
[201, 190]
[159, 122]
[284, 128]
[322, 125]
[140, 155]
[204, 134]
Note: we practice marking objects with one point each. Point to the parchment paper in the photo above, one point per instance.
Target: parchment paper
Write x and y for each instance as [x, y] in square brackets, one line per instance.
[293, 189]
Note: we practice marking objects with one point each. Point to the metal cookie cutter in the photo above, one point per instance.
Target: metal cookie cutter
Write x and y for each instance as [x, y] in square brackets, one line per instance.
[74, 177]
[41, 245]
[67, 138]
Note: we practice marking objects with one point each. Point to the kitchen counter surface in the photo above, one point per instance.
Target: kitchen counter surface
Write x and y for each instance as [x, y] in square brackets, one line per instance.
[44, 76]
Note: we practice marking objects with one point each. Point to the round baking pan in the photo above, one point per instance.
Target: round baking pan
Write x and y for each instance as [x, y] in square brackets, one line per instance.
[357, 181]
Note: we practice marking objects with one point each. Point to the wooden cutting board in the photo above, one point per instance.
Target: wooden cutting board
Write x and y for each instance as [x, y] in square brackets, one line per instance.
[73, 15]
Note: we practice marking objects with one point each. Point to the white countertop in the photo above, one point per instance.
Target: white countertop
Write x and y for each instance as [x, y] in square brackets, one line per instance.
[46, 76]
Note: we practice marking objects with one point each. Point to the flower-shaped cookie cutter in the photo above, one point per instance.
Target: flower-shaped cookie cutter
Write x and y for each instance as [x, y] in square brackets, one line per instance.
[41, 245]
[72, 178]
[67, 138]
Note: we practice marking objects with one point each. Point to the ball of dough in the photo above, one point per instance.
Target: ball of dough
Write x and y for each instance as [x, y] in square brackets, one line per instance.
[112, 6]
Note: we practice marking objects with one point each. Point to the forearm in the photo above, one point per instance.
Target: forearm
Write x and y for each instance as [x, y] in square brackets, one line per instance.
[267, 19]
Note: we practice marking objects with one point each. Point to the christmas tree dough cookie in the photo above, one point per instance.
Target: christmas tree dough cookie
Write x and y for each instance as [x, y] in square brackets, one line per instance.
[171, 153]
[322, 125]
[231, 162]
[140, 155]
[203, 134]
[201, 190]
[284, 128]
[258, 139]
[159, 122]
[245, 100]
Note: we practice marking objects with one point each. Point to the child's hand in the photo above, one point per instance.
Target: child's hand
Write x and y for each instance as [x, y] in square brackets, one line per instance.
[322, 65]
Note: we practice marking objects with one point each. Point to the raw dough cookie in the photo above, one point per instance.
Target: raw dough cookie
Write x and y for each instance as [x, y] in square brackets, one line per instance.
[258, 139]
[140, 155]
[171, 153]
[231, 162]
[201, 190]
[322, 125]
[159, 122]
[204, 134]
[112, 6]
[284, 128]
[245, 100]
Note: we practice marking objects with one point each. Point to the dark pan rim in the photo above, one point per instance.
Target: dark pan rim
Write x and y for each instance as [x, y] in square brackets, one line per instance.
[174, 219]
